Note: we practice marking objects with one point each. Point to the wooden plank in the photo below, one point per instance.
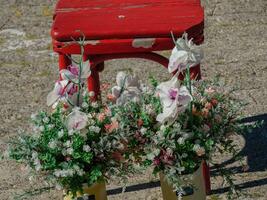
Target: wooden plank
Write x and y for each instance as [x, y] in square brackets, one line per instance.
[149, 21]
[64, 5]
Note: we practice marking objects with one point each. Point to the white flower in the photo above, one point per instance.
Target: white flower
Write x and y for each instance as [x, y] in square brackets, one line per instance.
[45, 119]
[94, 104]
[95, 129]
[87, 148]
[76, 120]
[68, 143]
[50, 126]
[85, 105]
[127, 89]
[181, 140]
[71, 132]
[60, 134]
[174, 99]
[184, 54]
[69, 151]
[52, 144]
[41, 128]
[143, 130]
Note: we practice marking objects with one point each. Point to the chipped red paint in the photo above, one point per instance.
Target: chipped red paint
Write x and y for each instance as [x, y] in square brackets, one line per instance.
[113, 29]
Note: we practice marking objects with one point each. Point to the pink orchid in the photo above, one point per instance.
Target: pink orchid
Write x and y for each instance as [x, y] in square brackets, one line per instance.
[62, 90]
[174, 99]
[72, 72]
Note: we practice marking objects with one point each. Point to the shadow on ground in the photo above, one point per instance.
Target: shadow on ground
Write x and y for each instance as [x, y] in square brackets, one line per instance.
[254, 150]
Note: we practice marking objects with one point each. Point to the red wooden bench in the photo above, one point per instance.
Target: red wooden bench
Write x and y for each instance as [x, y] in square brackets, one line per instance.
[116, 29]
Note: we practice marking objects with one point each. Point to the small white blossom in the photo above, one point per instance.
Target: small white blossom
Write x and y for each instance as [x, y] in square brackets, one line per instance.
[46, 120]
[68, 143]
[50, 126]
[85, 105]
[143, 130]
[60, 134]
[94, 104]
[95, 129]
[53, 144]
[181, 140]
[41, 128]
[69, 151]
[71, 132]
[162, 127]
[87, 148]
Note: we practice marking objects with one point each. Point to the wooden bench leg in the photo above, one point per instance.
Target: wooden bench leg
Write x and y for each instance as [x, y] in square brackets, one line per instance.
[63, 61]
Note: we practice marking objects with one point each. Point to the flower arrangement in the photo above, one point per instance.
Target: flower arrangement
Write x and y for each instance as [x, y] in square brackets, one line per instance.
[172, 126]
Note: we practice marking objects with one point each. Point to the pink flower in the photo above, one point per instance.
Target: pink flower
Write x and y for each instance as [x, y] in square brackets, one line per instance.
[156, 161]
[208, 106]
[167, 157]
[101, 117]
[214, 101]
[111, 98]
[111, 127]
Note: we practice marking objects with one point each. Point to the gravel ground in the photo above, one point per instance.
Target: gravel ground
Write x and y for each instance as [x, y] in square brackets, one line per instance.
[235, 47]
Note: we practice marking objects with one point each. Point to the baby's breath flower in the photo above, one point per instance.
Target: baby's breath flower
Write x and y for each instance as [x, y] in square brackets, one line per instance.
[87, 148]
[46, 120]
[68, 143]
[60, 134]
[85, 105]
[94, 104]
[95, 129]
[41, 128]
[50, 126]
[71, 132]
[181, 140]
[52, 144]
[69, 151]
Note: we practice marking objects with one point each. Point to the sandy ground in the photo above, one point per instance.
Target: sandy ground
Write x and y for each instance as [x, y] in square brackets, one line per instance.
[235, 48]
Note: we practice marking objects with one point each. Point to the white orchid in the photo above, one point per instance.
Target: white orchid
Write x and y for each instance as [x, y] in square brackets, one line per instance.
[127, 89]
[62, 90]
[174, 99]
[184, 54]
[72, 72]
[76, 120]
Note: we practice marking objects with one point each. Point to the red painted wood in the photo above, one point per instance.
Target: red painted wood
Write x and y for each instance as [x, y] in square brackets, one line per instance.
[63, 61]
[93, 81]
[118, 46]
[68, 5]
[134, 23]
